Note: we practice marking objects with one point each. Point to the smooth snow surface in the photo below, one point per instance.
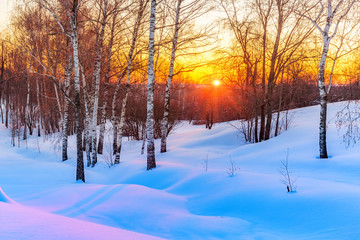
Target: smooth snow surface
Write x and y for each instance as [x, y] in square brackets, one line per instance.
[4, 198]
[18, 222]
[179, 199]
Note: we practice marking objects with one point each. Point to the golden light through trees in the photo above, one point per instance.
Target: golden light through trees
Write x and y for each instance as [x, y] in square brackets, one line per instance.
[209, 58]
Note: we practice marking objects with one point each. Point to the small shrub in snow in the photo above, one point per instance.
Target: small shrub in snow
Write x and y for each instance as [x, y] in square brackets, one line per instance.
[348, 120]
[233, 168]
[205, 163]
[287, 179]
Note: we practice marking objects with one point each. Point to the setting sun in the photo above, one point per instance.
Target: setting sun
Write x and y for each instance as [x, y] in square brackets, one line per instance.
[216, 82]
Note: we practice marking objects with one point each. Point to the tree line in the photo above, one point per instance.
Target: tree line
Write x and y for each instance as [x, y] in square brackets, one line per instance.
[74, 66]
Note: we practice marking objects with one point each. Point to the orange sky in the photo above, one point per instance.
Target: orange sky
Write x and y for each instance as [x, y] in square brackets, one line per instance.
[205, 74]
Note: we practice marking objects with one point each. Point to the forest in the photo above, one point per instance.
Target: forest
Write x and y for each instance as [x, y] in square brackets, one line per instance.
[103, 91]
[73, 66]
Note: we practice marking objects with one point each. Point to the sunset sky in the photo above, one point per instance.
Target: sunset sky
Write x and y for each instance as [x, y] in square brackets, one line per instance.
[204, 74]
[5, 6]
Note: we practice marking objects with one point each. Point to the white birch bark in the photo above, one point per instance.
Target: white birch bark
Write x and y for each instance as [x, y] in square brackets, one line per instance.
[127, 87]
[143, 133]
[327, 37]
[165, 120]
[72, 10]
[97, 76]
[87, 136]
[106, 87]
[80, 174]
[68, 71]
[323, 99]
[114, 118]
[38, 108]
[150, 93]
[27, 108]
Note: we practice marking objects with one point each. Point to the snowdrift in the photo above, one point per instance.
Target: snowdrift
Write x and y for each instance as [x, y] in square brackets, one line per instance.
[191, 195]
[4, 198]
[18, 222]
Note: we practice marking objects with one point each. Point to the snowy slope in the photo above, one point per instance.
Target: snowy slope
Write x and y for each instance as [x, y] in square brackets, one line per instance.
[180, 200]
[18, 222]
[4, 198]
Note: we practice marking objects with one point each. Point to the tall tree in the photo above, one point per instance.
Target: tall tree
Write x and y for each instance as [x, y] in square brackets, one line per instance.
[107, 80]
[151, 163]
[165, 120]
[72, 10]
[333, 17]
[96, 76]
[131, 56]
[72, 14]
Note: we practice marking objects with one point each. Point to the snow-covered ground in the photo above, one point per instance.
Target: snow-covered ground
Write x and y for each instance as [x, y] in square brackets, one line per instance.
[179, 199]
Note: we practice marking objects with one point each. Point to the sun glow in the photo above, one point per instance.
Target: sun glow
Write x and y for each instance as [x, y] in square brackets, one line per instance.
[216, 82]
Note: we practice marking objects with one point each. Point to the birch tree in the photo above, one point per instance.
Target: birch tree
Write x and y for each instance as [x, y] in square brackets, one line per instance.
[72, 9]
[131, 56]
[151, 163]
[65, 120]
[96, 76]
[333, 15]
[72, 14]
[107, 80]
[165, 120]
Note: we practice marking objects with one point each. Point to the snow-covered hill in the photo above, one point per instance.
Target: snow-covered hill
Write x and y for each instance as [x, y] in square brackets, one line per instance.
[180, 199]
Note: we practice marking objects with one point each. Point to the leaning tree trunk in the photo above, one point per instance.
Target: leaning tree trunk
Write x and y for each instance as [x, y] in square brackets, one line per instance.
[272, 75]
[97, 86]
[165, 120]
[150, 93]
[127, 87]
[106, 88]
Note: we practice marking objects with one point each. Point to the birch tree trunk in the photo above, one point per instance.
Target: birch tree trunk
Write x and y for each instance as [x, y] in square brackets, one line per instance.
[106, 87]
[87, 136]
[150, 93]
[323, 98]
[127, 87]
[27, 108]
[39, 112]
[68, 70]
[80, 174]
[114, 118]
[97, 85]
[165, 120]
[331, 13]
